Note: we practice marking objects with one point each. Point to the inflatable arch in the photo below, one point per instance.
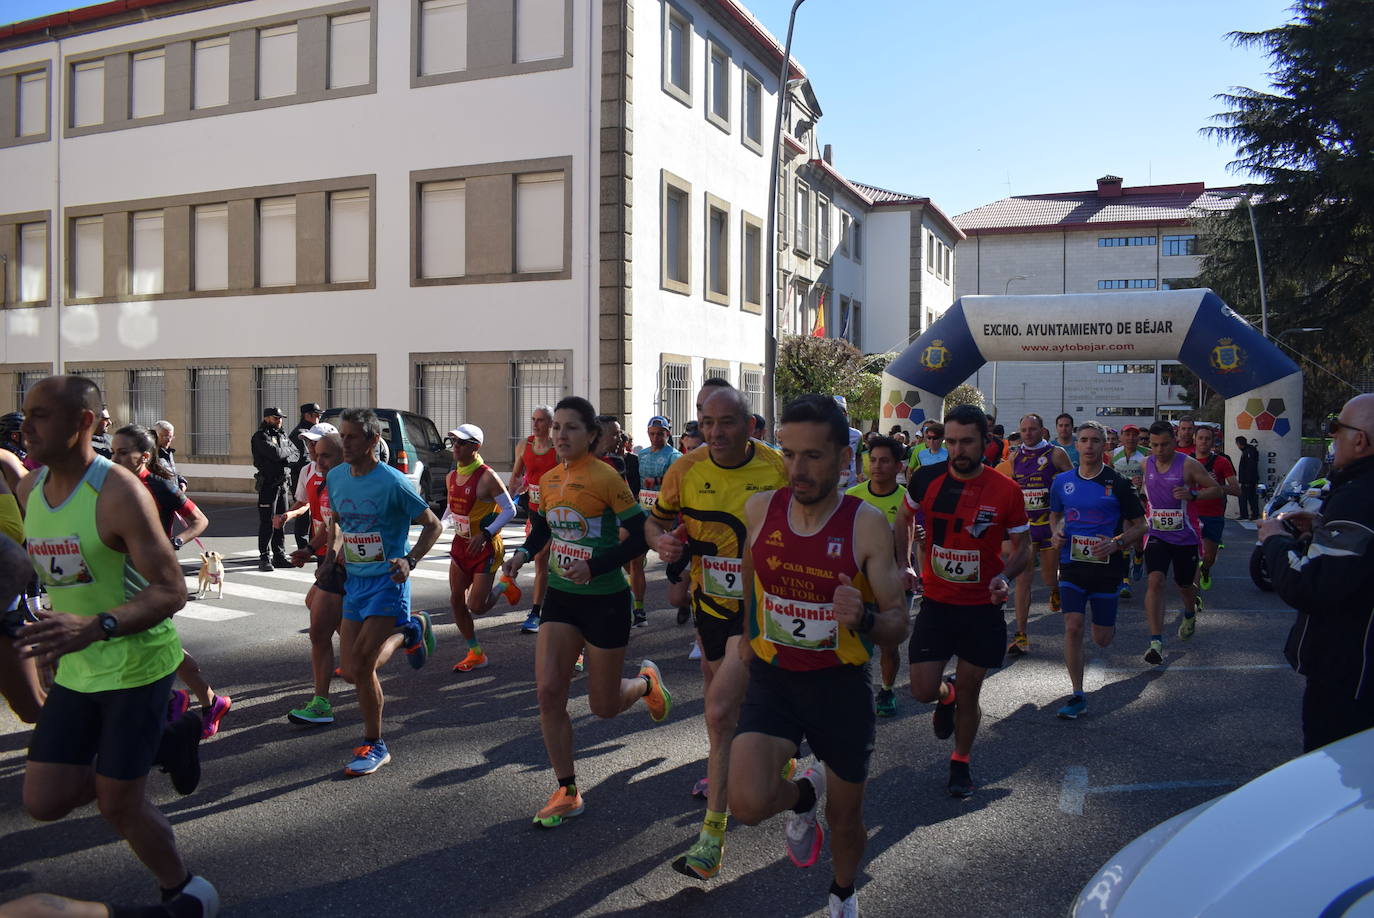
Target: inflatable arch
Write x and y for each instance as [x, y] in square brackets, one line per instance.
[1262, 386]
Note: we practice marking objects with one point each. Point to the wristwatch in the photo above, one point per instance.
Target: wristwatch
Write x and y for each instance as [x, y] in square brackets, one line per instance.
[414, 561]
[866, 623]
[177, 543]
[108, 624]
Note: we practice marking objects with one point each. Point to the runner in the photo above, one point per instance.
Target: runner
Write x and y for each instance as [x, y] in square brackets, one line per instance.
[135, 448]
[325, 598]
[1186, 426]
[654, 462]
[882, 491]
[114, 584]
[1033, 466]
[1094, 515]
[533, 458]
[1113, 440]
[612, 444]
[970, 510]
[1064, 439]
[1211, 514]
[849, 475]
[709, 488]
[478, 507]
[20, 682]
[824, 591]
[583, 505]
[1170, 481]
[935, 451]
[374, 505]
[1129, 461]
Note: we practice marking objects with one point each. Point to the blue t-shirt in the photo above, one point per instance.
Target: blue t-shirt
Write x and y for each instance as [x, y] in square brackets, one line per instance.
[1093, 509]
[1071, 449]
[374, 512]
[932, 456]
[654, 463]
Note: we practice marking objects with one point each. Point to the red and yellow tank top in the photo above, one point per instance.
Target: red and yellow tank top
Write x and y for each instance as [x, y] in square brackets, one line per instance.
[792, 623]
[467, 511]
[536, 464]
[317, 496]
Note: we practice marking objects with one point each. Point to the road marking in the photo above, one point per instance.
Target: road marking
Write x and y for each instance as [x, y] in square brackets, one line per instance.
[238, 589]
[207, 614]
[1073, 793]
[1174, 667]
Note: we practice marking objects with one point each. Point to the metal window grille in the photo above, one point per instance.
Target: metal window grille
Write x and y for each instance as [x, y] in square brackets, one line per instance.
[348, 385]
[719, 371]
[145, 397]
[751, 382]
[25, 381]
[210, 411]
[533, 383]
[675, 393]
[276, 389]
[95, 376]
[441, 393]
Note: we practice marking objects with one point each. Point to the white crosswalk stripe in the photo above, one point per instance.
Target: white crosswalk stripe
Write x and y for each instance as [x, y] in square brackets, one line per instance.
[238, 589]
[215, 613]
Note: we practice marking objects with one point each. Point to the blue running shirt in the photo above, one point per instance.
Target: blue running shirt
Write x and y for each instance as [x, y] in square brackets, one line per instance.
[374, 511]
[1093, 510]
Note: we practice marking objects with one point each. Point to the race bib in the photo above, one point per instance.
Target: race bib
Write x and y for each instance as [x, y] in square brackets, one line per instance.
[565, 554]
[533, 492]
[804, 625]
[1036, 498]
[956, 565]
[462, 524]
[722, 577]
[647, 499]
[363, 547]
[59, 562]
[1166, 520]
[1081, 549]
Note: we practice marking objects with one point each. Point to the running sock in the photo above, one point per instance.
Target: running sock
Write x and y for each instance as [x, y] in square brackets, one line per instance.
[806, 796]
[843, 892]
[1189, 613]
[956, 757]
[639, 605]
[534, 609]
[714, 824]
[569, 784]
[888, 687]
[176, 890]
[474, 646]
[1157, 637]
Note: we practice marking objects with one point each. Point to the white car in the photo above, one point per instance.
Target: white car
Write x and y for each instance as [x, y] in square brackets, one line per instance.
[1296, 841]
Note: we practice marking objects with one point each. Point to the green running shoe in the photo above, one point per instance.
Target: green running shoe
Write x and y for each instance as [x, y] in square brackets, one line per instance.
[886, 705]
[702, 860]
[316, 711]
[1205, 581]
[1187, 626]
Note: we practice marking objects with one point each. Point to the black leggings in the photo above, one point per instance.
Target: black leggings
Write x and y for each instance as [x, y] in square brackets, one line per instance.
[271, 501]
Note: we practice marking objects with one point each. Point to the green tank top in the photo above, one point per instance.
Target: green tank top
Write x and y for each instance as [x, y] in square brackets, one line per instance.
[84, 576]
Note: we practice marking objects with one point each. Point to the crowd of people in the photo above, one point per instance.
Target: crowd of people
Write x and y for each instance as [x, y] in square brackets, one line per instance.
[796, 561]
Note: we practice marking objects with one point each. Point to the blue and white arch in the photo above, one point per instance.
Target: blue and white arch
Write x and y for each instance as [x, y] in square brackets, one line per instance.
[1262, 386]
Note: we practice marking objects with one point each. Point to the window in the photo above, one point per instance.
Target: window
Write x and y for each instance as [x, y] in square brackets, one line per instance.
[854, 334]
[88, 93]
[23, 382]
[846, 223]
[1137, 283]
[751, 261]
[858, 241]
[88, 269]
[33, 262]
[276, 242]
[146, 276]
[33, 104]
[1147, 411]
[277, 62]
[443, 212]
[677, 49]
[210, 81]
[1125, 368]
[210, 411]
[718, 369]
[443, 36]
[949, 264]
[802, 240]
[784, 229]
[675, 231]
[752, 134]
[149, 79]
[751, 383]
[210, 268]
[1144, 283]
[348, 385]
[675, 392]
[350, 230]
[822, 228]
[1108, 242]
[538, 30]
[441, 393]
[539, 222]
[350, 50]
[276, 388]
[145, 397]
[931, 264]
[717, 250]
[718, 86]
[1180, 245]
[533, 383]
[1178, 283]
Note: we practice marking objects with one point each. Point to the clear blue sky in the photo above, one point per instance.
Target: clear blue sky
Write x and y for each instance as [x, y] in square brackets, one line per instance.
[968, 102]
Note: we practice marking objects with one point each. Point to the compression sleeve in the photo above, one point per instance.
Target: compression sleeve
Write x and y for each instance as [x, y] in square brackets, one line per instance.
[538, 537]
[506, 514]
[625, 551]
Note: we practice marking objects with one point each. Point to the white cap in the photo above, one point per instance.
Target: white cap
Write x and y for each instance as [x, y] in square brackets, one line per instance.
[319, 431]
[466, 432]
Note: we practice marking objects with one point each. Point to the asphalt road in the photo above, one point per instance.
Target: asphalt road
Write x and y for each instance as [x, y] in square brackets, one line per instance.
[445, 828]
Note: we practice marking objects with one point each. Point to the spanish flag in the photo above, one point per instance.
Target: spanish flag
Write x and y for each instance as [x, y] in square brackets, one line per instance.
[819, 330]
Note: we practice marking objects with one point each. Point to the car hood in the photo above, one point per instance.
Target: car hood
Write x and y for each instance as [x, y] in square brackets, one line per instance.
[1294, 841]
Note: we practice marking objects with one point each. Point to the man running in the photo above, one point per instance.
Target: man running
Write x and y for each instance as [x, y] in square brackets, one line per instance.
[709, 489]
[655, 460]
[1187, 426]
[882, 491]
[850, 475]
[478, 507]
[533, 458]
[1094, 515]
[969, 511]
[824, 590]
[1211, 514]
[1032, 466]
[1064, 438]
[374, 505]
[1129, 461]
[114, 584]
[1171, 481]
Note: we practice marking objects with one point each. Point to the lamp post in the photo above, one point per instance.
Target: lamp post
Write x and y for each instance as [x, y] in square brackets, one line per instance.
[770, 345]
[1295, 331]
[1259, 261]
[1006, 288]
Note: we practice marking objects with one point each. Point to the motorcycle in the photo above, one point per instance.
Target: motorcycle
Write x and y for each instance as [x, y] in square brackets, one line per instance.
[1303, 488]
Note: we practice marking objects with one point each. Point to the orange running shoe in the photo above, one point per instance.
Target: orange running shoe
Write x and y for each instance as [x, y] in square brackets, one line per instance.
[476, 659]
[562, 805]
[658, 700]
[504, 586]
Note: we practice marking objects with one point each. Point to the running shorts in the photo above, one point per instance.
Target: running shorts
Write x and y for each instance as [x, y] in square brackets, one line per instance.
[1104, 603]
[1159, 555]
[603, 618]
[974, 634]
[715, 631]
[120, 730]
[366, 597]
[1212, 527]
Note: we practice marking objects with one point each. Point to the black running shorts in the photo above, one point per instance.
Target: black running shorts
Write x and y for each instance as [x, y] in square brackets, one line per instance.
[119, 730]
[603, 619]
[1159, 555]
[715, 631]
[975, 634]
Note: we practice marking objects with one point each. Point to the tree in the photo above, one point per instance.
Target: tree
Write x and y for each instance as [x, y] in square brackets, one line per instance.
[830, 366]
[1309, 142]
[965, 394]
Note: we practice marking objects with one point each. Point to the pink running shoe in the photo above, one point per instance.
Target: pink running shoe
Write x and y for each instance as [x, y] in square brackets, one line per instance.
[218, 708]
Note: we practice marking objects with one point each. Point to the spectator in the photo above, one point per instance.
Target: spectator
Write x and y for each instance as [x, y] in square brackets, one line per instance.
[1248, 475]
[100, 440]
[166, 452]
[997, 444]
[310, 416]
[273, 456]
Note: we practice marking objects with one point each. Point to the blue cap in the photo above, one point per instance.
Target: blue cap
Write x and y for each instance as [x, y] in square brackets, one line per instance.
[659, 420]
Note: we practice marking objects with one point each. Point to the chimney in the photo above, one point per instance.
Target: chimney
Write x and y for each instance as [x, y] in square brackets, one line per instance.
[1109, 186]
[825, 155]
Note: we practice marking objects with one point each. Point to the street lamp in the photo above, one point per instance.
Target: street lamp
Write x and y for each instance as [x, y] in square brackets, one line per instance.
[770, 345]
[1259, 261]
[1295, 331]
[1006, 288]
[1015, 277]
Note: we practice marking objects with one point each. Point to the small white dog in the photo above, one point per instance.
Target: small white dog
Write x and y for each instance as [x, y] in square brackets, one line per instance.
[211, 573]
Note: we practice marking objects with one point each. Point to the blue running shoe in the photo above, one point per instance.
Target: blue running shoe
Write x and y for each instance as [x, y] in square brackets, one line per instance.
[1074, 705]
[531, 625]
[1137, 566]
[367, 758]
[418, 648]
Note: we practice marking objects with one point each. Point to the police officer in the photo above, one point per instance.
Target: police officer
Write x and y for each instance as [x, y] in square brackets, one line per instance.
[310, 416]
[273, 456]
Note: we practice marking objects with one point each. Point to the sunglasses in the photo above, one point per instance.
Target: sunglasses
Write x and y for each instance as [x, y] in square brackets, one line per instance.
[1335, 426]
